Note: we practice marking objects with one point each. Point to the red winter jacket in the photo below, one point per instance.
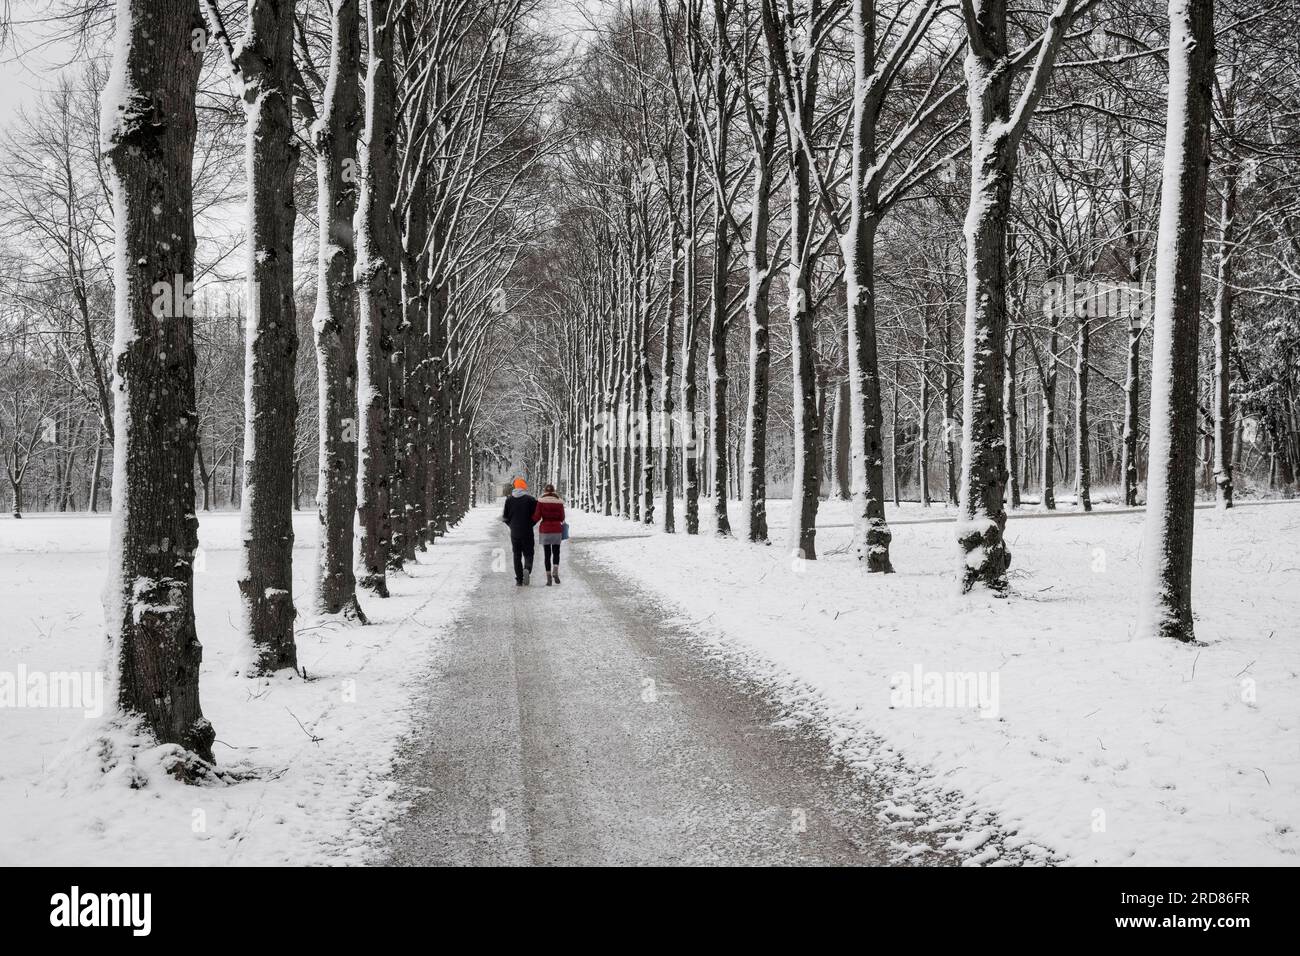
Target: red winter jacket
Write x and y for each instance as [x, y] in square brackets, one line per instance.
[550, 512]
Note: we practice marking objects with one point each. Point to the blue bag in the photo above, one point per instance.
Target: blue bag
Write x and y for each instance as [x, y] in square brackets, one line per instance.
[564, 531]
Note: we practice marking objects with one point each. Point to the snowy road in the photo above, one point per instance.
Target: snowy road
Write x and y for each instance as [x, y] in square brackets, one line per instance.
[565, 725]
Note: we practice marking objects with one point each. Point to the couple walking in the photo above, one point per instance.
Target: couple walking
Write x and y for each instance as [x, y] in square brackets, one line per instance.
[522, 511]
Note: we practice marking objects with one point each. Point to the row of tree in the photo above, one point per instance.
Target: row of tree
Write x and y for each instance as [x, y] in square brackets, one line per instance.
[960, 209]
[425, 120]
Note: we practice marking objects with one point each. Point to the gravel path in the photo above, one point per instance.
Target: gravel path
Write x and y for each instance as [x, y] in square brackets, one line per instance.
[566, 725]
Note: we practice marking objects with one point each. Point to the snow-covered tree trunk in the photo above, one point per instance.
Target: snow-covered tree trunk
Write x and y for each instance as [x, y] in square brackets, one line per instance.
[690, 437]
[1082, 454]
[415, 392]
[264, 58]
[754, 474]
[923, 435]
[1132, 383]
[335, 322]
[645, 391]
[1224, 296]
[982, 516]
[950, 424]
[439, 407]
[721, 266]
[147, 137]
[399, 436]
[805, 487]
[378, 297]
[995, 131]
[666, 386]
[893, 437]
[871, 535]
[841, 450]
[1166, 602]
[798, 85]
[1011, 421]
[1048, 449]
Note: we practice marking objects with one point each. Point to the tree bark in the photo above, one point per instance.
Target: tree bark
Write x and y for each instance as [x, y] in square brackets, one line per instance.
[721, 265]
[871, 534]
[148, 133]
[1082, 462]
[379, 309]
[1222, 323]
[754, 488]
[666, 386]
[265, 61]
[1048, 448]
[799, 94]
[840, 449]
[667, 371]
[1010, 425]
[335, 322]
[1166, 608]
[690, 438]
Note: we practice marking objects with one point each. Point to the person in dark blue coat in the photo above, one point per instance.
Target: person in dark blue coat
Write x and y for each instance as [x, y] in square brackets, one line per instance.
[518, 514]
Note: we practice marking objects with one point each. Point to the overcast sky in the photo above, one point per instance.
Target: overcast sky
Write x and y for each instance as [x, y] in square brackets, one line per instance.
[31, 60]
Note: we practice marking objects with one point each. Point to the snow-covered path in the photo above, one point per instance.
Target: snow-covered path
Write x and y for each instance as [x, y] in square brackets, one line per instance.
[568, 725]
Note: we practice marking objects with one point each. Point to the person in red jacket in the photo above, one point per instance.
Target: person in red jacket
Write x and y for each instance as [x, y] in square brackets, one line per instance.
[550, 512]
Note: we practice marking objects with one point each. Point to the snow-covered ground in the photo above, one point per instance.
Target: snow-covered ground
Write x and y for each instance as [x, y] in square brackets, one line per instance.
[1107, 749]
[315, 753]
[1079, 738]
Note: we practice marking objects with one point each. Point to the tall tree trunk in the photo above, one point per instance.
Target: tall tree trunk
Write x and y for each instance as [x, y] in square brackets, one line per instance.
[1048, 449]
[265, 61]
[1222, 323]
[996, 132]
[721, 265]
[666, 441]
[1132, 383]
[871, 534]
[1082, 462]
[92, 498]
[645, 391]
[1166, 608]
[893, 438]
[1009, 411]
[754, 474]
[690, 437]
[806, 483]
[379, 312]
[841, 450]
[798, 85]
[950, 423]
[335, 322]
[1132, 387]
[204, 475]
[982, 517]
[148, 132]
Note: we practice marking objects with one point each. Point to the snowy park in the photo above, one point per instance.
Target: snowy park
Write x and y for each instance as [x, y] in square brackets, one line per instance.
[1100, 748]
[652, 433]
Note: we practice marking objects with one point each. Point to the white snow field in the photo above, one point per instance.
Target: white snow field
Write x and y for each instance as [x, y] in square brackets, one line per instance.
[1107, 749]
[1073, 736]
[319, 750]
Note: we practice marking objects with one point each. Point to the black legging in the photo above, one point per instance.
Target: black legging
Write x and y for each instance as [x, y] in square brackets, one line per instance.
[550, 549]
